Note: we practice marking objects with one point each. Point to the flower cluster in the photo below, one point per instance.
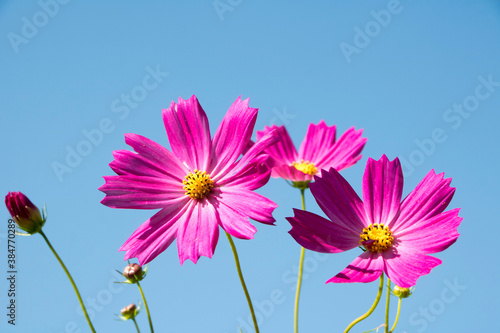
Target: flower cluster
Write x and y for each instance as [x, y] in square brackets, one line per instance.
[205, 183]
[208, 182]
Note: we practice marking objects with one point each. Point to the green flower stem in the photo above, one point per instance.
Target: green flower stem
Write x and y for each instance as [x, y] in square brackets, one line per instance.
[70, 279]
[146, 306]
[387, 305]
[374, 305]
[136, 326]
[242, 280]
[299, 279]
[397, 316]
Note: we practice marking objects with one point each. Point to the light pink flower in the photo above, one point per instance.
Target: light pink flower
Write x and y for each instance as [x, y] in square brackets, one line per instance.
[319, 150]
[201, 185]
[397, 236]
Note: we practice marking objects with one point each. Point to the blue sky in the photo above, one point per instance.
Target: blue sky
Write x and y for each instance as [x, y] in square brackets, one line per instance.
[421, 78]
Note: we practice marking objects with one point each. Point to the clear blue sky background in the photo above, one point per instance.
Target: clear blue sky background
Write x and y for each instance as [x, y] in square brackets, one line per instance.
[299, 62]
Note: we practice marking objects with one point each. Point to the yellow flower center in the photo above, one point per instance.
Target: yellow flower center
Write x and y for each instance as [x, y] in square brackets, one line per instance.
[306, 167]
[376, 238]
[198, 185]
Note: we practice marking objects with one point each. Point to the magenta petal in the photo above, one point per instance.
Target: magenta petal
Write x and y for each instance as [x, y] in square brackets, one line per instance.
[318, 142]
[431, 197]
[234, 223]
[257, 149]
[130, 163]
[318, 234]
[159, 156]
[382, 190]
[189, 133]
[338, 200]
[289, 172]
[345, 152]
[433, 235]
[405, 267]
[367, 267]
[141, 192]
[198, 231]
[253, 176]
[233, 135]
[283, 152]
[248, 203]
[153, 236]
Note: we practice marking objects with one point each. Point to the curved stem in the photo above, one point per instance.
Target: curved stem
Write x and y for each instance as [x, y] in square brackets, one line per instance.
[136, 326]
[387, 306]
[70, 279]
[242, 280]
[299, 278]
[397, 316]
[146, 306]
[374, 305]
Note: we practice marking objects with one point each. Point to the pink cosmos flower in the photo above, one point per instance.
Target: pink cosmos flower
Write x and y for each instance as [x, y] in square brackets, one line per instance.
[319, 150]
[201, 185]
[396, 236]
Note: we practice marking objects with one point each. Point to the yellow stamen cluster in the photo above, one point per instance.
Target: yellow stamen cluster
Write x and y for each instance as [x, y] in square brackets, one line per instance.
[198, 185]
[306, 167]
[376, 237]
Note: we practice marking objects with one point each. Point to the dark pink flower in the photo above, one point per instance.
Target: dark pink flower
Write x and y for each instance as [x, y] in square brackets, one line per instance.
[24, 212]
[319, 150]
[397, 236]
[201, 185]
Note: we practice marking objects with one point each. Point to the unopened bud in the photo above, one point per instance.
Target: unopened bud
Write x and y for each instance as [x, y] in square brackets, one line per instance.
[129, 312]
[402, 292]
[133, 273]
[24, 212]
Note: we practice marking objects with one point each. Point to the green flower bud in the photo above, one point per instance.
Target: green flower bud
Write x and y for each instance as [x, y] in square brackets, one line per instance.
[134, 273]
[129, 312]
[402, 292]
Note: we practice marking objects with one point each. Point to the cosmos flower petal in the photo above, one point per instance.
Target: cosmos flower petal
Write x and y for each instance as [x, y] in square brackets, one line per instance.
[338, 201]
[367, 267]
[433, 235]
[253, 175]
[141, 192]
[198, 231]
[382, 190]
[158, 155]
[405, 267]
[246, 202]
[154, 235]
[318, 142]
[289, 172]
[234, 223]
[283, 152]
[318, 151]
[130, 163]
[233, 134]
[257, 149]
[431, 197]
[345, 152]
[318, 234]
[189, 133]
